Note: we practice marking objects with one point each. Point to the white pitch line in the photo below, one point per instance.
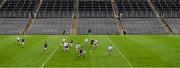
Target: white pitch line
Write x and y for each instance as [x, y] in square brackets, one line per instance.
[120, 52]
[49, 57]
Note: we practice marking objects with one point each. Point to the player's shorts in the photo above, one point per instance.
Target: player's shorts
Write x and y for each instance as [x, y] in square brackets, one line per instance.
[110, 50]
[95, 46]
[66, 47]
[81, 54]
[22, 43]
[45, 48]
[18, 41]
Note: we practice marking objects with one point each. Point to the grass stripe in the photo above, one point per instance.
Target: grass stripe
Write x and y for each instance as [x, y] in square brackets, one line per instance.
[119, 52]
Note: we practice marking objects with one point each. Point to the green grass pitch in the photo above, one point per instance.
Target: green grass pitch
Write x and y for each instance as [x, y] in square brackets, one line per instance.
[129, 51]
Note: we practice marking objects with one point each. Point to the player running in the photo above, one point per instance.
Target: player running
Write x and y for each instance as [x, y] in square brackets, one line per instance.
[77, 47]
[86, 41]
[66, 46]
[110, 47]
[18, 40]
[81, 52]
[95, 43]
[23, 40]
[45, 46]
[62, 43]
[71, 43]
[92, 42]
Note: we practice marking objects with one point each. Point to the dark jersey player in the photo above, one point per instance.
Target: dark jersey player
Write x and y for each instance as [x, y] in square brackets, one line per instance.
[89, 31]
[92, 42]
[71, 43]
[45, 46]
[81, 52]
[23, 40]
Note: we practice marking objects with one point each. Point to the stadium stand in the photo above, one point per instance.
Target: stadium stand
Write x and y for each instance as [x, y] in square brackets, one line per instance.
[174, 23]
[143, 26]
[96, 16]
[168, 8]
[17, 8]
[50, 25]
[95, 8]
[12, 25]
[137, 16]
[56, 8]
[97, 26]
[135, 8]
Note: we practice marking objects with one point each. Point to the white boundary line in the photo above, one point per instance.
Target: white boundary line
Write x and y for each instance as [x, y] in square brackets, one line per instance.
[51, 54]
[49, 57]
[120, 52]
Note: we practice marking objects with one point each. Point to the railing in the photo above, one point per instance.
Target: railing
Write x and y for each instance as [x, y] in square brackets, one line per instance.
[90, 14]
[96, 14]
[138, 14]
[170, 14]
[14, 14]
[54, 14]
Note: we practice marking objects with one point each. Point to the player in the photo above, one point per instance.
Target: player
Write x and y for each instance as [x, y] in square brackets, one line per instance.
[85, 41]
[66, 46]
[89, 32]
[95, 43]
[63, 40]
[110, 47]
[18, 40]
[77, 47]
[45, 46]
[71, 43]
[81, 52]
[23, 40]
[92, 42]
[66, 34]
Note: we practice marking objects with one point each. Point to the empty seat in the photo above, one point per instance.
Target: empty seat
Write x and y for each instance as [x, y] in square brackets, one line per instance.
[135, 8]
[17, 8]
[168, 8]
[50, 26]
[97, 26]
[143, 26]
[12, 25]
[174, 23]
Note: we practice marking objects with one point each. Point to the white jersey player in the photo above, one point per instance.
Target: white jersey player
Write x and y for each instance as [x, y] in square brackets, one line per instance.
[63, 40]
[66, 46]
[86, 41]
[77, 47]
[110, 47]
[95, 43]
[18, 40]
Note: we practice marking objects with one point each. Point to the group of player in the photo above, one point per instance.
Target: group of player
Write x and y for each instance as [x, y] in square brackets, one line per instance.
[20, 41]
[66, 45]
